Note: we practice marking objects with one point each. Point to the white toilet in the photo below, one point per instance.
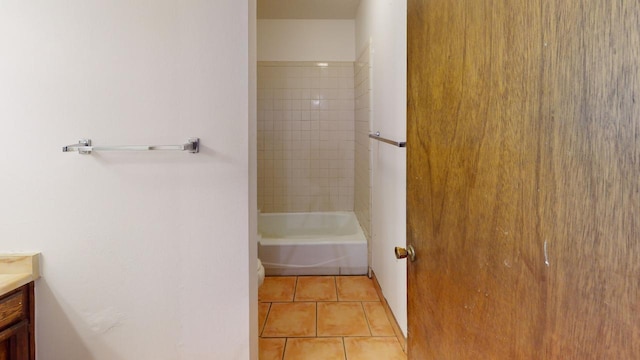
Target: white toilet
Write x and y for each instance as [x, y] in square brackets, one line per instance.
[260, 273]
[260, 267]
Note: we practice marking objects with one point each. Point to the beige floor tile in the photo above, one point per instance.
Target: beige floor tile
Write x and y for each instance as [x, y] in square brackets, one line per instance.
[263, 310]
[316, 288]
[378, 321]
[314, 349]
[342, 319]
[291, 320]
[271, 349]
[371, 348]
[356, 288]
[277, 289]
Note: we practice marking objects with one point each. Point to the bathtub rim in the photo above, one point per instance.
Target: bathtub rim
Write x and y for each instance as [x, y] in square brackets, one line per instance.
[356, 238]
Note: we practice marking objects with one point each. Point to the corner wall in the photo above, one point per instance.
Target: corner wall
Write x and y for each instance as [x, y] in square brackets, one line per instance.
[253, 182]
[362, 183]
[135, 246]
[384, 24]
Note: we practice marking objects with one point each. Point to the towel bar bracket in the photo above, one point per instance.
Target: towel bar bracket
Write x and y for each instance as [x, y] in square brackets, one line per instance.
[82, 147]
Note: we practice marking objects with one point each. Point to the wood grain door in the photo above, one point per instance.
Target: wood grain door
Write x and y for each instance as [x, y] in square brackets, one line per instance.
[523, 179]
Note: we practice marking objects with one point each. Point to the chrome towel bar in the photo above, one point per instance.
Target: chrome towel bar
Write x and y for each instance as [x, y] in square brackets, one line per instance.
[84, 147]
[377, 136]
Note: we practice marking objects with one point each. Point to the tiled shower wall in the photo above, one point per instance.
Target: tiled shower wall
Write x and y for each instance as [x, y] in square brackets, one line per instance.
[306, 136]
[362, 195]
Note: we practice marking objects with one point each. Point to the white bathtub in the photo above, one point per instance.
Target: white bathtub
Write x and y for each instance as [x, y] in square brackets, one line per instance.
[330, 243]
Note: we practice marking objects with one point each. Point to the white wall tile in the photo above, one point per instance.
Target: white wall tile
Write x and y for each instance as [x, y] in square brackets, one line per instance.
[306, 116]
[361, 143]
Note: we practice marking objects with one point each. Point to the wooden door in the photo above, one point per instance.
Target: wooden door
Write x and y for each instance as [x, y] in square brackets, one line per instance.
[523, 179]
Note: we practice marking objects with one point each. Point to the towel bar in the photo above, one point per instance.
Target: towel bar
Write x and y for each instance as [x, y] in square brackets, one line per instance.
[84, 147]
[377, 136]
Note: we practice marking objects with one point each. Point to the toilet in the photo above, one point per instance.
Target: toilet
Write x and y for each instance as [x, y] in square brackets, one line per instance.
[260, 267]
[260, 273]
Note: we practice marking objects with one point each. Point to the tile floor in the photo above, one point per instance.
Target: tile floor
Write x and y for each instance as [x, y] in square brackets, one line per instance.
[324, 317]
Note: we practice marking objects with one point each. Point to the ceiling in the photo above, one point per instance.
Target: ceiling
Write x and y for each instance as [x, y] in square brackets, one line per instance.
[307, 9]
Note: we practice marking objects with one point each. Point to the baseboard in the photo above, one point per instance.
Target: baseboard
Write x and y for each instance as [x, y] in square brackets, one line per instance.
[394, 323]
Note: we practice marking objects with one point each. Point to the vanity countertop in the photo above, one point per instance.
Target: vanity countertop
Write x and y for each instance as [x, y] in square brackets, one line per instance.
[17, 270]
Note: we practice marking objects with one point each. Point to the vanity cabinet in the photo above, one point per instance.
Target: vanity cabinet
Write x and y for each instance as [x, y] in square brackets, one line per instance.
[17, 327]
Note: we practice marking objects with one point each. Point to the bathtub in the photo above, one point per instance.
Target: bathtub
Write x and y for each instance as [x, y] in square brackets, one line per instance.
[330, 243]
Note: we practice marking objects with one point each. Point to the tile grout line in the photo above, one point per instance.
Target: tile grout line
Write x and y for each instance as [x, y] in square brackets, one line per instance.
[286, 340]
[344, 348]
[295, 290]
[265, 320]
[366, 316]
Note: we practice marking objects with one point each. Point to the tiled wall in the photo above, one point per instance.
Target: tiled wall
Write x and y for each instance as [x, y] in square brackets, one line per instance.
[362, 194]
[305, 136]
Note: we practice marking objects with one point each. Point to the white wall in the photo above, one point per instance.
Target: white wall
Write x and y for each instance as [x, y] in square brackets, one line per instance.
[144, 255]
[306, 40]
[384, 24]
